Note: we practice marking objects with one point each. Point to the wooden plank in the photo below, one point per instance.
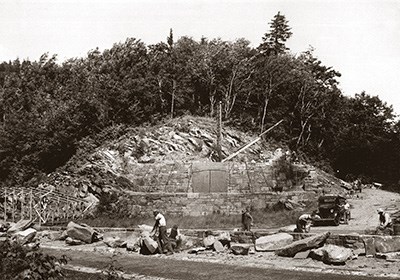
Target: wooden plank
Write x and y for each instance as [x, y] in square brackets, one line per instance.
[251, 143]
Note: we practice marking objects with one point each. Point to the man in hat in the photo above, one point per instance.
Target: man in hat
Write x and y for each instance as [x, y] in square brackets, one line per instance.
[385, 223]
[161, 225]
[247, 220]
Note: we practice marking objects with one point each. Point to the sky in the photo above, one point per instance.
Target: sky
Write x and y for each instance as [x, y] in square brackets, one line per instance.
[358, 38]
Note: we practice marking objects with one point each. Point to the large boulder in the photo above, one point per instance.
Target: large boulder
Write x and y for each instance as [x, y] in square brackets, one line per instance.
[302, 245]
[148, 246]
[381, 244]
[332, 254]
[218, 246]
[20, 226]
[208, 241]
[25, 236]
[273, 242]
[241, 248]
[386, 244]
[81, 232]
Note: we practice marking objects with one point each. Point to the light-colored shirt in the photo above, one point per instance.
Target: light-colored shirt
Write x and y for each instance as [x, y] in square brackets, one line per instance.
[385, 219]
[305, 217]
[161, 220]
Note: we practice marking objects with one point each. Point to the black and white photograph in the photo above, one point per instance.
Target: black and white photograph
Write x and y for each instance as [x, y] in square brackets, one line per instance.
[199, 139]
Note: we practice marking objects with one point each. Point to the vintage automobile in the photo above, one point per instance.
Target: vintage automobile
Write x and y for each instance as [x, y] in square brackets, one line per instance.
[330, 210]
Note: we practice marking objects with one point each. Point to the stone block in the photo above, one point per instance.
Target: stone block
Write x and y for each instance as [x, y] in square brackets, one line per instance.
[301, 245]
[273, 242]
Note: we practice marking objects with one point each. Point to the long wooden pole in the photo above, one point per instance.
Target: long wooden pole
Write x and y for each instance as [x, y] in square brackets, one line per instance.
[5, 204]
[251, 143]
[13, 207]
[219, 132]
[30, 205]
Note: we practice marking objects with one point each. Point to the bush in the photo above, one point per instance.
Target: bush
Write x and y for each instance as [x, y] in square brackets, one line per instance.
[20, 262]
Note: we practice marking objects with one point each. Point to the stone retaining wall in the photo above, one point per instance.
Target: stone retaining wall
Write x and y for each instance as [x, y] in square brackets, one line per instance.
[239, 177]
[198, 204]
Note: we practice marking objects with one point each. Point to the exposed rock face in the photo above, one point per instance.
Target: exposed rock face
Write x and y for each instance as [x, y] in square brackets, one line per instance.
[332, 254]
[273, 242]
[304, 244]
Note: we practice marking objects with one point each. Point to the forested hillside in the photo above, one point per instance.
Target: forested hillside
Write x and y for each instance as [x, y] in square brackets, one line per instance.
[48, 107]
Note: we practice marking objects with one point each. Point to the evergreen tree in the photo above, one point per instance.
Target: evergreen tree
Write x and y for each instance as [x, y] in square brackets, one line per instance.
[274, 41]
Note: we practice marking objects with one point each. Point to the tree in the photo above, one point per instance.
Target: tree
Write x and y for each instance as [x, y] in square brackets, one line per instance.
[274, 41]
[364, 142]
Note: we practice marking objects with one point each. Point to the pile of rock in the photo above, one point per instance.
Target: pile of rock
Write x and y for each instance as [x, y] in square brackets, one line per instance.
[80, 234]
[21, 232]
[283, 244]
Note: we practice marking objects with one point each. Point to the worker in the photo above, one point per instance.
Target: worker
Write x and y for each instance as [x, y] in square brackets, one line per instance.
[161, 226]
[247, 220]
[304, 222]
[385, 223]
[175, 238]
[344, 208]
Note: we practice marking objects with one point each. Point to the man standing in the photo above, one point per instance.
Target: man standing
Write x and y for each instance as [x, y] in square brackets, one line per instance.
[385, 223]
[161, 225]
[247, 220]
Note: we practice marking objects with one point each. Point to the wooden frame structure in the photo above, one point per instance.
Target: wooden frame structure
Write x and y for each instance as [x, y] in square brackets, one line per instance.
[41, 205]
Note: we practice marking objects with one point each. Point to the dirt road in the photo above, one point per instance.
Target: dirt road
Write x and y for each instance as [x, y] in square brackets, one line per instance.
[364, 217]
[261, 265]
[216, 267]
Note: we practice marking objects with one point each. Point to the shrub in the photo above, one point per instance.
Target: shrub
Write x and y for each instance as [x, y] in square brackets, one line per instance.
[21, 262]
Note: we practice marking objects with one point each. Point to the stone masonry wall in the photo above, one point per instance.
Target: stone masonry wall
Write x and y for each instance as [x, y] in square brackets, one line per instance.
[197, 189]
[198, 204]
[241, 177]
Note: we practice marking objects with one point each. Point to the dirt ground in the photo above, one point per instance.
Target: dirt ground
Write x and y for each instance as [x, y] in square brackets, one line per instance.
[364, 218]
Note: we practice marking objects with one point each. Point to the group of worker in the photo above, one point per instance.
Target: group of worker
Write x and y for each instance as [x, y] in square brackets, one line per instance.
[167, 243]
[385, 227]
